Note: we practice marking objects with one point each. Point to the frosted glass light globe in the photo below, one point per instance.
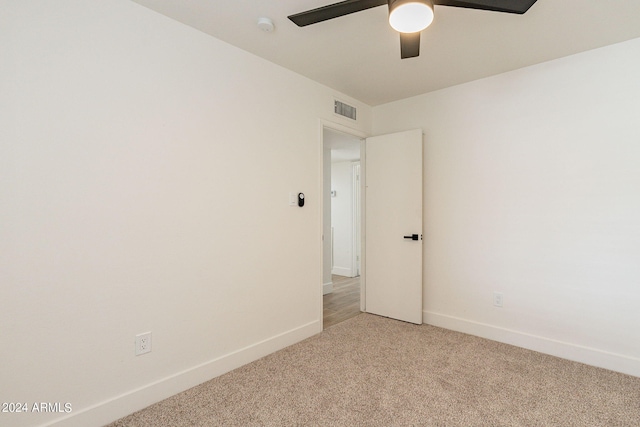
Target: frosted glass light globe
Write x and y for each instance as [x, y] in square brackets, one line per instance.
[411, 17]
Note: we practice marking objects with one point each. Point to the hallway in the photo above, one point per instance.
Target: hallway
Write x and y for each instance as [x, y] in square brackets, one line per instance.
[343, 303]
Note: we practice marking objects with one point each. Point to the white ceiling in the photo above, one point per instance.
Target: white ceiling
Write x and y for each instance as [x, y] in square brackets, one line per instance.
[359, 54]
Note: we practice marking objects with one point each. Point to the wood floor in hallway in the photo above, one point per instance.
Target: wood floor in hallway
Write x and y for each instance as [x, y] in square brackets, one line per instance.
[343, 303]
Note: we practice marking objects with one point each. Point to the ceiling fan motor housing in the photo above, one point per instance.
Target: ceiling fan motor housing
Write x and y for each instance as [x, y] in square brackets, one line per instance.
[395, 3]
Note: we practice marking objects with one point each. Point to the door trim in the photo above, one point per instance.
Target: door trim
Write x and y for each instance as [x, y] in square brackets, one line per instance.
[356, 218]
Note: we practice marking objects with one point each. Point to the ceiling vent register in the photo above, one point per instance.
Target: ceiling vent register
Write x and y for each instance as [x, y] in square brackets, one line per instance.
[345, 110]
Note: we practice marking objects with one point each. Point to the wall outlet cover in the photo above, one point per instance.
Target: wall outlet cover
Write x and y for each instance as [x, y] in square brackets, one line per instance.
[143, 343]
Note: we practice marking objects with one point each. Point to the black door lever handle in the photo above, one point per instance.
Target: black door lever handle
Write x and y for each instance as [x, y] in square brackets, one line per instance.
[412, 237]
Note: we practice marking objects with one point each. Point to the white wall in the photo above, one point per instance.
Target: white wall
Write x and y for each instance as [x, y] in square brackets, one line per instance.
[145, 171]
[532, 189]
[342, 218]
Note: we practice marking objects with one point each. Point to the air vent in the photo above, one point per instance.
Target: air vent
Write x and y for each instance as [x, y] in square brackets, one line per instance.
[342, 109]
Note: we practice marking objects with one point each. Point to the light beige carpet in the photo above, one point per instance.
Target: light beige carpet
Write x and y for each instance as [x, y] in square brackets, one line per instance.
[373, 371]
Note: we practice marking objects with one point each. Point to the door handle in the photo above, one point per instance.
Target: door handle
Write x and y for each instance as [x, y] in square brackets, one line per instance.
[412, 237]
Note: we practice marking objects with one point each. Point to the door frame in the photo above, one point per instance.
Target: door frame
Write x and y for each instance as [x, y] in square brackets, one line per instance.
[337, 127]
[356, 216]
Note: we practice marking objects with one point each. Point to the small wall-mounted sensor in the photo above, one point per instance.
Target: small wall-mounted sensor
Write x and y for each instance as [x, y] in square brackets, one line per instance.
[301, 199]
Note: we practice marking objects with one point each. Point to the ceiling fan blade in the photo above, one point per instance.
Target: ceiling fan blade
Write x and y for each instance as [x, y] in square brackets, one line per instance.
[509, 6]
[333, 11]
[409, 45]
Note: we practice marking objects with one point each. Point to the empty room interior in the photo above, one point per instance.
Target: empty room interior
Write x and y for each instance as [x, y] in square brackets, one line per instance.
[167, 186]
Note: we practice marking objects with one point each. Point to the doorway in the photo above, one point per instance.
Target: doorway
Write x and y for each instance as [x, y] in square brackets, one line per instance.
[342, 225]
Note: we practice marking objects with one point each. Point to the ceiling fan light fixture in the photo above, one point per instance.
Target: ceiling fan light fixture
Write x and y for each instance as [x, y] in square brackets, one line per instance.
[410, 16]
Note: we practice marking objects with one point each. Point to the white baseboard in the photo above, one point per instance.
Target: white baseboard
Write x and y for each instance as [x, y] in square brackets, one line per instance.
[587, 355]
[341, 271]
[134, 400]
[327, 288]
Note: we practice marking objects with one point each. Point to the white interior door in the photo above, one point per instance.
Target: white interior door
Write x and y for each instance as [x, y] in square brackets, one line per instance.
[393, 210]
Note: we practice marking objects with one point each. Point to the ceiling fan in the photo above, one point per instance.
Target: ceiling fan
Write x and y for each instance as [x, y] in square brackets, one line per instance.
[408, 17]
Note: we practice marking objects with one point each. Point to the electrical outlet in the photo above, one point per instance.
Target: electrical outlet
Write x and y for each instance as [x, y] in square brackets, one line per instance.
[497, 299]
[143, 343]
